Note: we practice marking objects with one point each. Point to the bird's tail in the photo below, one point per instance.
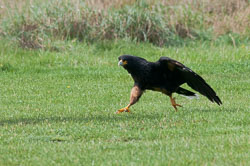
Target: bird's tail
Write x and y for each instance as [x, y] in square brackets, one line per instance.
[186, 93]
[199, 84]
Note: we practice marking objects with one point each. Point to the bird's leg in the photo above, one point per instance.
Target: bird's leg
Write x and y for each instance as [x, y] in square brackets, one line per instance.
[174, 104]
[135, 95]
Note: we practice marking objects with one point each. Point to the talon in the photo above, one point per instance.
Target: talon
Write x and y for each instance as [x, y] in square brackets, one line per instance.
[127, 110]
[178, 105]
[175, 106]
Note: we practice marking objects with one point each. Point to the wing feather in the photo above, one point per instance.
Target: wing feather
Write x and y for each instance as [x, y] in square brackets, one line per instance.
[191, 78]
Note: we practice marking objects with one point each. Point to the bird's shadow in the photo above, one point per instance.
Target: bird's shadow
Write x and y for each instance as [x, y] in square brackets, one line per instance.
[145, 115]
[78, 119]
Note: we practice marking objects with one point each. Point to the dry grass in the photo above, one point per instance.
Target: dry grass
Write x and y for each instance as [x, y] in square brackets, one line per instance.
[223, 15]
[228, 16]
[238, 22]
[157, 21]
[107, 4]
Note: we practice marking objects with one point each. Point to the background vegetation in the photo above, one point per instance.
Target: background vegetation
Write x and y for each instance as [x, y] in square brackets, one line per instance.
[36, 23]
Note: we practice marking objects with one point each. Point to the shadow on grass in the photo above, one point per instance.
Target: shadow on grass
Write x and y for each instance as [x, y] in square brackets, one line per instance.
[109, 117]
[79, 119]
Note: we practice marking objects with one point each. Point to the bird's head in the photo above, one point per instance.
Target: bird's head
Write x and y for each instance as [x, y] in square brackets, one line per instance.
[123, 60]
[136, 66]
[130, 61]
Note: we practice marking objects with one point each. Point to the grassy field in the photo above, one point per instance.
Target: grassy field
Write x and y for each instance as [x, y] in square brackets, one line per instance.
[57, 107]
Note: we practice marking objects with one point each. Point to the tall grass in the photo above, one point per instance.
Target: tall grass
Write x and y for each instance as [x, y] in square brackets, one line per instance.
[37, 23]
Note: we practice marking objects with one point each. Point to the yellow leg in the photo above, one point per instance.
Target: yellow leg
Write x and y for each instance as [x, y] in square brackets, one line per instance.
[135, 94]
[126, 109]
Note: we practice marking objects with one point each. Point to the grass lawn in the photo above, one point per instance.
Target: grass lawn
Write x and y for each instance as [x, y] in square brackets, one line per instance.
[57, 108]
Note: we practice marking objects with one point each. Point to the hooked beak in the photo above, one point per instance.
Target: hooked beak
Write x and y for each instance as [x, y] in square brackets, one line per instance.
[120, 63]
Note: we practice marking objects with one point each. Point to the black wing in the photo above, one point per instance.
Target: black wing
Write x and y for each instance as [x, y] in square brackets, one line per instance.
[191, 78]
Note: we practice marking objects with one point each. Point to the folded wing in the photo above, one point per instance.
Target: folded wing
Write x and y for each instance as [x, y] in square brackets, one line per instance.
[191, 78]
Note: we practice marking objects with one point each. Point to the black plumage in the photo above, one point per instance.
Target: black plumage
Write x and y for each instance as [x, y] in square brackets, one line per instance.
[165, 75]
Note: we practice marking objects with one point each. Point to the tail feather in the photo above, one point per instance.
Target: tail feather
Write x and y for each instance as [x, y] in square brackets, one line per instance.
[185, 92]
[200, 85]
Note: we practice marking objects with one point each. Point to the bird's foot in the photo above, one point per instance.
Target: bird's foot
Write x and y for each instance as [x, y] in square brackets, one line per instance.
[174, 104]
[126, 109]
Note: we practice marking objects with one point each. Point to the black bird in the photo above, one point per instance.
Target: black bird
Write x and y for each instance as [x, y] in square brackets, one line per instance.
[165, 75]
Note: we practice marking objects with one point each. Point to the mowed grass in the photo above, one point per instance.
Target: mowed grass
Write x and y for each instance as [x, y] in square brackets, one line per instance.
[57, 108]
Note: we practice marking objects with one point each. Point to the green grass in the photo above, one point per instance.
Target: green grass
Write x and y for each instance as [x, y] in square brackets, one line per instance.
[57, 108]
